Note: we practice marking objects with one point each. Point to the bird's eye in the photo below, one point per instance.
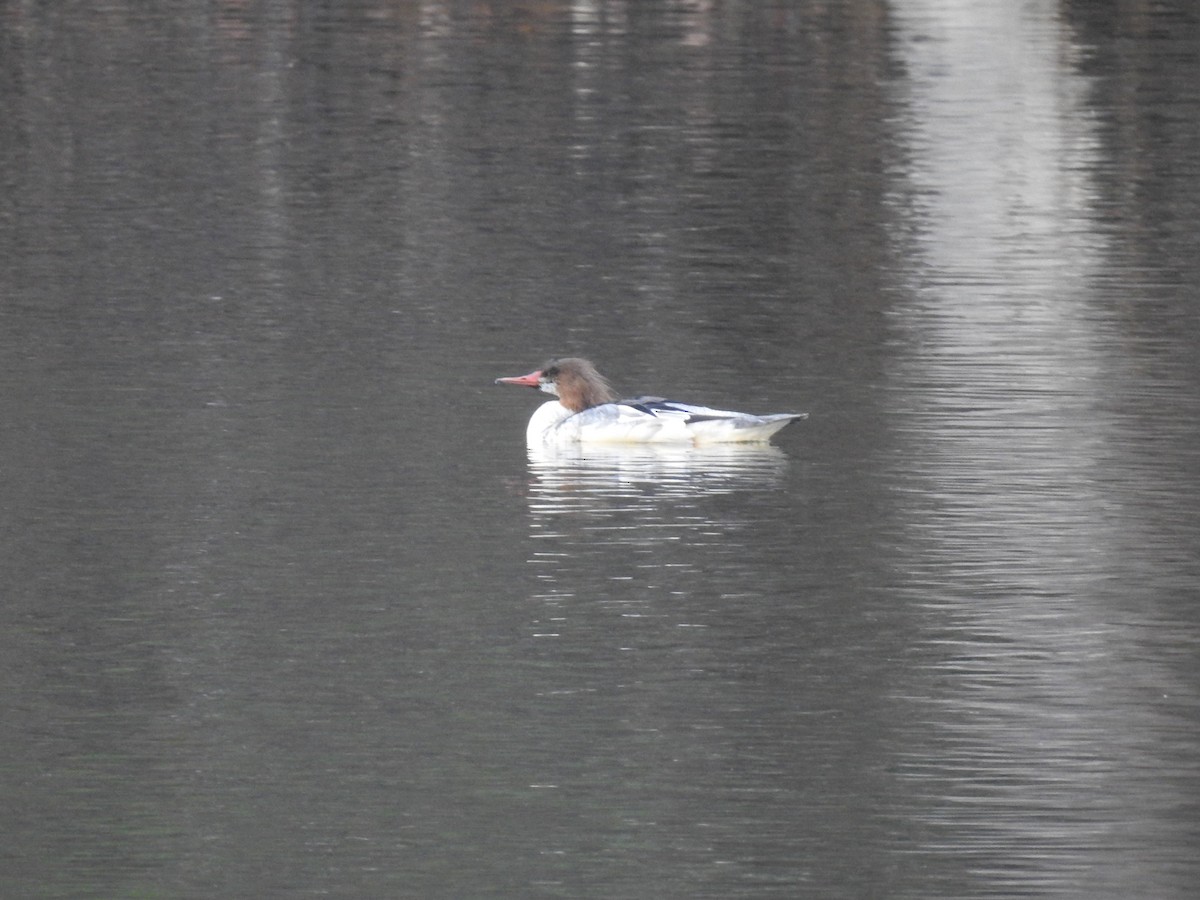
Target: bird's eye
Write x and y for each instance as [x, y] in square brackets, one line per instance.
[551, 372]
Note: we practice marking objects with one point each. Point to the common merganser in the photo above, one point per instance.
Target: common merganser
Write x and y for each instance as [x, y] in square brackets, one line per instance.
[588, 410]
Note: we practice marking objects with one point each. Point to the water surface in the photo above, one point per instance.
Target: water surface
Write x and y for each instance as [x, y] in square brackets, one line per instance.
[289, 609]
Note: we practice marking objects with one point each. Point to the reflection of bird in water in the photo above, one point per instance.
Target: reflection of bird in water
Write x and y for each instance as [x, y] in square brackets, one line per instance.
[588, 411]
[577, 475]
[618, 526]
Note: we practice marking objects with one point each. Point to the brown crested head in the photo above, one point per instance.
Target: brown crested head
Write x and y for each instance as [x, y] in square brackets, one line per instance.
[579, 385]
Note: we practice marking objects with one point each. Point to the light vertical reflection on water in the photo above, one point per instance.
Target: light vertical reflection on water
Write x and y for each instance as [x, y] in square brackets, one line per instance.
[1054, 724]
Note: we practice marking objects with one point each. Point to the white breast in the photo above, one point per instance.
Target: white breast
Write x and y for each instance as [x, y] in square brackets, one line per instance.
[544, 421]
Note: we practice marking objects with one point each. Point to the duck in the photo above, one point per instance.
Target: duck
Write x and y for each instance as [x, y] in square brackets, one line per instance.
[588, 410]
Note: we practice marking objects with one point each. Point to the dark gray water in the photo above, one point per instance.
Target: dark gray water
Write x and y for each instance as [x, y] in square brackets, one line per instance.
[289, 611]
